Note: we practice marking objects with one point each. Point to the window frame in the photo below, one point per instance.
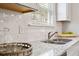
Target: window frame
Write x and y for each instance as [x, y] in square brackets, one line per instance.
[51, 19]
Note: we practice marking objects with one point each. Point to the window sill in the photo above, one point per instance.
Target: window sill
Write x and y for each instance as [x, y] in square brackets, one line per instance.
[34, 25]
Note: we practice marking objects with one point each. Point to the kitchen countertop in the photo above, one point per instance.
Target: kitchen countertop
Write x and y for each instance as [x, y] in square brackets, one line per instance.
[46, 49]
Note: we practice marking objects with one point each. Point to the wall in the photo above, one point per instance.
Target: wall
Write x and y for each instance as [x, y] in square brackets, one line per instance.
[74, 24]
[18, 27]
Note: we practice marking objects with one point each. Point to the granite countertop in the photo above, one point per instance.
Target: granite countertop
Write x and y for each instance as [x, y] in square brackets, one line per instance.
[46, 49]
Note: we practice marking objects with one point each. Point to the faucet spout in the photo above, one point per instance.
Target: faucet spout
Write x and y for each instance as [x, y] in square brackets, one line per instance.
[51, 35]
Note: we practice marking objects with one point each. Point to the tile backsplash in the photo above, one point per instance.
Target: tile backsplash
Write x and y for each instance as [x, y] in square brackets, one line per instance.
[18, 27]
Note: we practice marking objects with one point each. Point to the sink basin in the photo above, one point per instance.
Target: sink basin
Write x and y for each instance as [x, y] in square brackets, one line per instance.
[58, 41]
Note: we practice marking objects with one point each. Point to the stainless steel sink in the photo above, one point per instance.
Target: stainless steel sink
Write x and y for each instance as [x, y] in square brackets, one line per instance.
[58, 41]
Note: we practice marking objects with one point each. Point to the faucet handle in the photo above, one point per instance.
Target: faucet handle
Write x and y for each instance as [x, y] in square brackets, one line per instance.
[52, 32]
[49, 32]
[56, 32]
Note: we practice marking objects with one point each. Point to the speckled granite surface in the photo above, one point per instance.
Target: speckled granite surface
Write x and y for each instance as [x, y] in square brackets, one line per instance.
[45, 49]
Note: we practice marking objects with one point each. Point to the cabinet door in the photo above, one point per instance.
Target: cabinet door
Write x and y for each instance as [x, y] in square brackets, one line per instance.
[63, 11]
[74, 50]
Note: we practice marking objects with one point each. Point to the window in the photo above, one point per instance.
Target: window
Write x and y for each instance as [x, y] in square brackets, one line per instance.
[44, 16]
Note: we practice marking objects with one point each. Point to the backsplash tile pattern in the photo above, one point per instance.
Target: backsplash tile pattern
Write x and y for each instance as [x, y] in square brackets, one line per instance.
[19, 29]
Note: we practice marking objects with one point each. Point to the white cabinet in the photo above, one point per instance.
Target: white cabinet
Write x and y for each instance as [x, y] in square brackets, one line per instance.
[74, 50]
[63, 12]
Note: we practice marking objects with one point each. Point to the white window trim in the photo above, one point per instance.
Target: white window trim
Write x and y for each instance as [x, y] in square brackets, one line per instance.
[52, 19]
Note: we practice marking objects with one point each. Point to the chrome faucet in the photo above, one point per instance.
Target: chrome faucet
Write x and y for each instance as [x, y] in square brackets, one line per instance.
[51, 35]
